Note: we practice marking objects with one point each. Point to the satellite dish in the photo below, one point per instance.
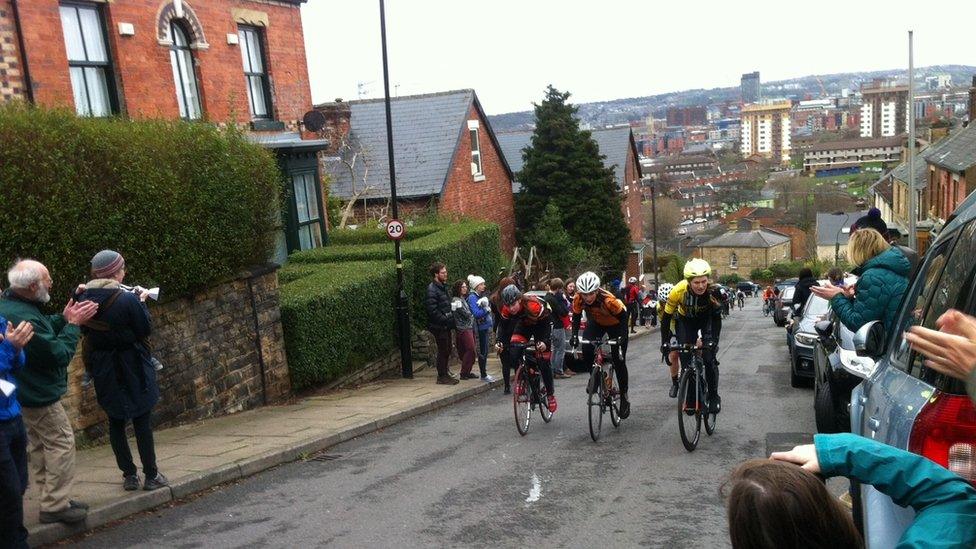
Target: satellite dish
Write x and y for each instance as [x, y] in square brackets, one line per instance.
[314, 121]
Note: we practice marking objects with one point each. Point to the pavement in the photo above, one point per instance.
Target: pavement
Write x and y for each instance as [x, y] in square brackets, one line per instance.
[215, 451]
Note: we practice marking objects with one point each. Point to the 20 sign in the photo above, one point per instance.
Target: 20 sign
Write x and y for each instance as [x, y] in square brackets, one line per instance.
[395, 229]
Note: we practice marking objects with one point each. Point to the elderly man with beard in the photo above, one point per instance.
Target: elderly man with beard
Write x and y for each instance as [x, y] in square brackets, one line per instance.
[43, 381]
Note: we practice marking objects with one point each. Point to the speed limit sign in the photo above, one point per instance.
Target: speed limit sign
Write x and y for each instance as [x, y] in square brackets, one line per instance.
[395, 229]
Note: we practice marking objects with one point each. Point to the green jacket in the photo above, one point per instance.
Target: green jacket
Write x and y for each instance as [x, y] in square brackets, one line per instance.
[944, 503]
[44, 379]
[882, 283]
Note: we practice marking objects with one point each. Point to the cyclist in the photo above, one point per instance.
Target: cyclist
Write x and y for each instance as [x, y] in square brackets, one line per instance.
[740, 297]
[696, 308]
[529, 316]
[605, 314]
[672, 359]
[767, 297]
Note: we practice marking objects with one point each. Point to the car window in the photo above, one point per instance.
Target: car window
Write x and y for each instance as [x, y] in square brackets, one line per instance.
[947, 289]
[816, 306]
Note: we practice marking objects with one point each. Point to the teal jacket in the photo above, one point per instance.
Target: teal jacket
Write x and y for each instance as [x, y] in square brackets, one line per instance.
[944, 503]
[882, 283]
[44, 379]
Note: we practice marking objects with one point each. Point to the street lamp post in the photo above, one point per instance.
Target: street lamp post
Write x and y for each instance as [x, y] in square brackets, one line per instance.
[654, 228]
[837, 239]
[402, 312]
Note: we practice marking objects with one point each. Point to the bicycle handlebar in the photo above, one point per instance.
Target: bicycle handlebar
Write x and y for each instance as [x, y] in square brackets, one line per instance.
[689, 347]
[614, 341]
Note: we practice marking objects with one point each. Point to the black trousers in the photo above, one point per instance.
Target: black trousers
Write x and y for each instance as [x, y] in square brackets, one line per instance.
[13, 483]
[144, 442]
[443, 339]
[595, 332]
[632, 310]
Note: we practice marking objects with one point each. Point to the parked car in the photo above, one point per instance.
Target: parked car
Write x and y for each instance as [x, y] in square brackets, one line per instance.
[903, 403]
[801, 337]
[747, 288]
[784, 306]
[832, 383]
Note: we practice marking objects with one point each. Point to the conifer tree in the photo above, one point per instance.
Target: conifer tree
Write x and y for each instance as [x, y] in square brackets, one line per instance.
[563, 166]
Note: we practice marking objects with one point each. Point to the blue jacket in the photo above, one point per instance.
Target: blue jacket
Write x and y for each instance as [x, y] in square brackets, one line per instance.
[11, 360]
[882, 283]
[944, 503]
[482, 317]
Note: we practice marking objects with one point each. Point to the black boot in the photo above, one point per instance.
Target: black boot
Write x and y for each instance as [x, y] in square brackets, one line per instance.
[624, 407]
[673, 393]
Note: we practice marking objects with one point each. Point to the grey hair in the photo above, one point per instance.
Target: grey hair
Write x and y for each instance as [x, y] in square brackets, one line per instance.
[24, 273]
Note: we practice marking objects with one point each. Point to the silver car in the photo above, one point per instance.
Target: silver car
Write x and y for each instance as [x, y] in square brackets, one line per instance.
[903, 403]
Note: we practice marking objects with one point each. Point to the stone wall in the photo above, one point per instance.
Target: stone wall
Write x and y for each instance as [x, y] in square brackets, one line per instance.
[423, 351]
[222, 352]
[11, 74]
[747, 258]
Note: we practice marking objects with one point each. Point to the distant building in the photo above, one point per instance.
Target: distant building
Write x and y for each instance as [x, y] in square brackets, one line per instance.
[884, 109]
[833, 232]
[750, 88]
[742, 250]
[676, 165]
[939, 81]
[766, 130]
[852, 153]
[687, 116]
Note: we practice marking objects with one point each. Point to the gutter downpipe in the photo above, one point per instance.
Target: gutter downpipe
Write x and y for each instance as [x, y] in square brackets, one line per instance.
[28, 85]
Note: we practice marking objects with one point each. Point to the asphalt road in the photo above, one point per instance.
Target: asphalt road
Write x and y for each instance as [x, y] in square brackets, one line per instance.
[463, 477]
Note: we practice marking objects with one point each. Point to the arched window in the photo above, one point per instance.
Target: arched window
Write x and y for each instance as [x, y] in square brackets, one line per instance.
[184, 74]
[734, 261]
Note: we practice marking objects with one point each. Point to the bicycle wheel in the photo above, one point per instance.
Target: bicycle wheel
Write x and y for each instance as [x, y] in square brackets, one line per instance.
[689, 428]
[522, 398]
[597, 405]
[613, 401]
[543, 400]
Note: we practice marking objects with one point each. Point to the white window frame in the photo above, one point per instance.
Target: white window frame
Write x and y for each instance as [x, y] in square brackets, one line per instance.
[477, 160]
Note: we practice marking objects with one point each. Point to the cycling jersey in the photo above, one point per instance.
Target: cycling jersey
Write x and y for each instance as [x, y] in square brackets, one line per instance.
[534, 309]
[692, 312]
[606, 310]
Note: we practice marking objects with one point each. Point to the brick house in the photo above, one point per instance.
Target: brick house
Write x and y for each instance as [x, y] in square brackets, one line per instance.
[619, 149]
[447, 158]
[740, 251]
[224, 61]
[951, 173]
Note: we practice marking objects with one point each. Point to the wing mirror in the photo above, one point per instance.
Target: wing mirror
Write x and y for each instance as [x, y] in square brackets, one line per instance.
[869, 340]
[824, 328]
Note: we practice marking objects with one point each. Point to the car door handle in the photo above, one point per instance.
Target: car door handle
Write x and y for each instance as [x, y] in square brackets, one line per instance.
[874, 423]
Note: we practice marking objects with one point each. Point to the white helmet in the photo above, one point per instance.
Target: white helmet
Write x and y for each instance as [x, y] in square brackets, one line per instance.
[587, 282]
[664, 291]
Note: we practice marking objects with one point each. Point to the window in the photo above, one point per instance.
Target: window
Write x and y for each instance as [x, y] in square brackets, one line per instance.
[88, 60]
[184, 74]
[476, 168]
[255, 72]
[307, 207]
[734, 261]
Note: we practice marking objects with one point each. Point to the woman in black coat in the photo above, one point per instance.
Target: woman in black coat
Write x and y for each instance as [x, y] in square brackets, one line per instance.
[117, 358]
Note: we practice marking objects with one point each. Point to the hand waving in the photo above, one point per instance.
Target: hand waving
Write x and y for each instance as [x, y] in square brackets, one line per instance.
[19, 336]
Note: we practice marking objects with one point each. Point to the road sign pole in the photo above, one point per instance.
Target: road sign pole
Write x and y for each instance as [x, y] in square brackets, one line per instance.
[401, 306]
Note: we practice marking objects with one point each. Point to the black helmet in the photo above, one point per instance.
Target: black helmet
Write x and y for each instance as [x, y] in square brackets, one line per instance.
[511, 294]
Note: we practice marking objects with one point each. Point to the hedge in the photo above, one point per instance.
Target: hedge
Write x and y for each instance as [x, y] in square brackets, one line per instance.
[345, 237]
[187, 204]
[338, 318]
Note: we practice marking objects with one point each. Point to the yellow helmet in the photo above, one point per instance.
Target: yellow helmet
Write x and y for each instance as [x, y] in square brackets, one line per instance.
[697, 267]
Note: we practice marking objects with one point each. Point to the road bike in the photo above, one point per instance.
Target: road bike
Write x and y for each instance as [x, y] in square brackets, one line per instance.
[742, 302]
[602, 393]
[528, 390]
[767, 307]
[693, 395]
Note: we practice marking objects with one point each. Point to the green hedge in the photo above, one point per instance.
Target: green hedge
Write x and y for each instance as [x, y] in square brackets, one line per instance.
[337, 318]
[187, 204]
[345, 237]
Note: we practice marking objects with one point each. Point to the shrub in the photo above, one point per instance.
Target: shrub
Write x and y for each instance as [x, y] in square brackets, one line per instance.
[730, 279]
[187, 204]
[337, 317]
[345, 237]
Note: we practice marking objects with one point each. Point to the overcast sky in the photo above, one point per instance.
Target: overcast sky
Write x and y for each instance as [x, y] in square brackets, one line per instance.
[509, 50]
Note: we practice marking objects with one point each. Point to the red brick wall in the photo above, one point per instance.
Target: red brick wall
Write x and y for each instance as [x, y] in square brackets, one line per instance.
[11, 70]
[143, 68]
[491, 199]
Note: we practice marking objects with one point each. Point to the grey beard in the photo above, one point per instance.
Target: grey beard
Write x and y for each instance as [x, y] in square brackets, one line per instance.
[43, 296]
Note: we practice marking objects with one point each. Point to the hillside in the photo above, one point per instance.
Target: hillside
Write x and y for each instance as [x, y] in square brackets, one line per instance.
[623, 111]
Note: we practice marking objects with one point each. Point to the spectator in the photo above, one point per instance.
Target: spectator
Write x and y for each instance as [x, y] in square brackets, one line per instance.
[503, 331]
[780, 503]
[117, 357]
[13, 437]
[463, 328]
[570, 290]
[481, 309]
[42, 382]
[632, 301]
[560, 321]
[802, 291]
[873, 221]
[882, 272]
[440, 321]
[836, 276]
[952, 349]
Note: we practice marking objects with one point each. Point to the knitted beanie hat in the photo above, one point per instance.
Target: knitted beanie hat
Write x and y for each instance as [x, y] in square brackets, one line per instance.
[872, 221]
[474, 280]
[106, 263]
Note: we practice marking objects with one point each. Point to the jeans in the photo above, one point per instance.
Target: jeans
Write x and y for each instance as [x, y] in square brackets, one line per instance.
[144, 442]
[558, 349]
[483, 352]
[13, 483]
[443, 339]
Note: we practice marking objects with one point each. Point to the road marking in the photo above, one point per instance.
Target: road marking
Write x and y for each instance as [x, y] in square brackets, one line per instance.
[536, 491]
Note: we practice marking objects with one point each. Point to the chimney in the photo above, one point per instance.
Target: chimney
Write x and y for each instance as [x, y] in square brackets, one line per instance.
[733, 225]
[972, 99]
[338, 116]
[756, 224]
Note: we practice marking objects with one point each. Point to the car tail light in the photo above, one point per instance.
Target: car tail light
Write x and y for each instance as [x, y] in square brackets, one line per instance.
[945, 432]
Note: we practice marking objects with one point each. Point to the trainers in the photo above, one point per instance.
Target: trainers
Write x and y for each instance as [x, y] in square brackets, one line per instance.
[715, 405]
[673, 393]
[488, 379]
[68, 515]
[469, 376]
[159, 481]
[624, 408]
[552, 403]
[447, 380]
[130, 482]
